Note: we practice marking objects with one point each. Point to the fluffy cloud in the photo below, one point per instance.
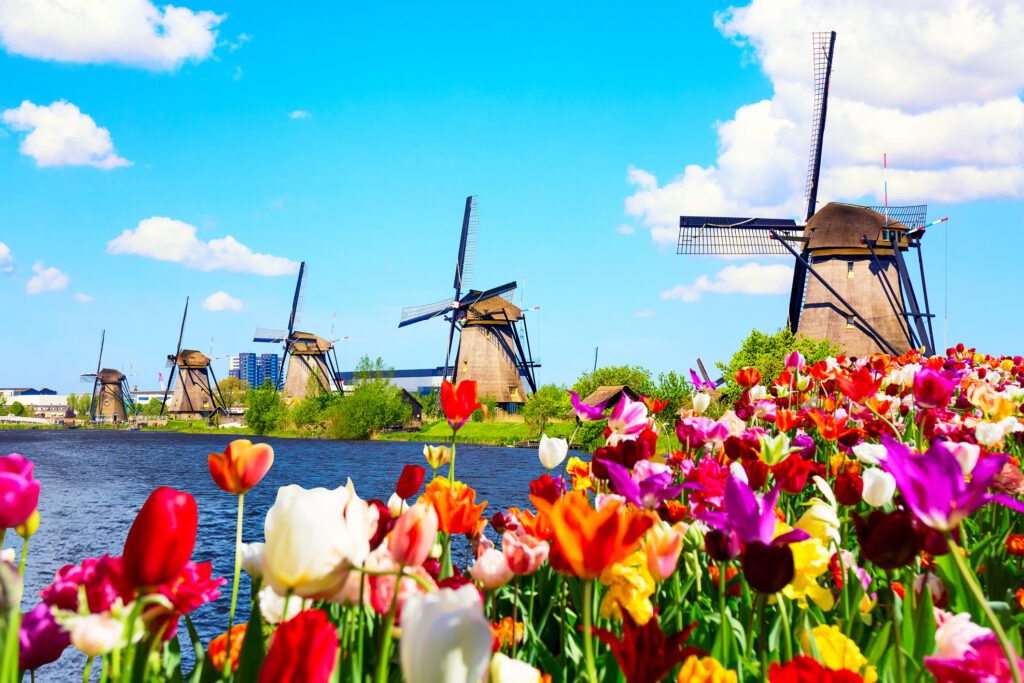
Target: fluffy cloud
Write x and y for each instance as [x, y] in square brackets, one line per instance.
[299, 114]
[130, 32]
[61, 135]
[951, 120]
[749, 278]
[222, 301]
[166, 239]
[46, 279]
[6, 260]
[83, 298]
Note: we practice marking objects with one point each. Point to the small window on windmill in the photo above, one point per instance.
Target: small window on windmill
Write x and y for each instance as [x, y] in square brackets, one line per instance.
[849, 322]
[849, 270]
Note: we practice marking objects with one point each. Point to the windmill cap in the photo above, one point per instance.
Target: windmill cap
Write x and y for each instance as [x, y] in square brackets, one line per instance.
[190, 358]
[110, 375]
[842, 226]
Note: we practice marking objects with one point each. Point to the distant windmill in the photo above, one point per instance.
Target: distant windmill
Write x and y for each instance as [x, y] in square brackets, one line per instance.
[311, 356]
[194, 396]
[490, 349]
[861, 295]
[111, 399]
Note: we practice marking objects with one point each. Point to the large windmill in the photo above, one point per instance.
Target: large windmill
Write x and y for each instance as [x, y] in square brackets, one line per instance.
[194, 396]
[490, 348]
[111, 399]
[311, 356]
[860, 293]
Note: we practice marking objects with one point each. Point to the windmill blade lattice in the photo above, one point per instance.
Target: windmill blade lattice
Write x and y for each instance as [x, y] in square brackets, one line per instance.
[467, 245]
[728, 236]
[415, 314]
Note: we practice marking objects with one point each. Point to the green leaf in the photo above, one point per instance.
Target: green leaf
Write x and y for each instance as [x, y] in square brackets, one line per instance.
[253, 650]
[924, 626]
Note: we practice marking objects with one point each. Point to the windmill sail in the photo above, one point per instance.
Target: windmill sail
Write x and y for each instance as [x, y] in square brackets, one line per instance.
[467, 245]
[824, 45]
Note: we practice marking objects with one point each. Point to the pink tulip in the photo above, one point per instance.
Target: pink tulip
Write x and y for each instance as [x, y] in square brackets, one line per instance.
[414, 535]
[19, 492]
[795, 362]
[662, 547]
[933, 389]
[491, 570]
[524, 554]
[628, 418]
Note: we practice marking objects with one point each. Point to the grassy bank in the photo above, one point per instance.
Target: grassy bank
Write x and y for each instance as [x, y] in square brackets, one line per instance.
[489, 433]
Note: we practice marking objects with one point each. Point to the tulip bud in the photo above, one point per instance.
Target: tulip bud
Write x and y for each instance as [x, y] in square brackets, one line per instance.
[30, 526]
[96, 634]
[701, 401]
[879, 487]
[414, 535]
[889, 540]
[722, 546]
[552, 451]
[504, 669]
[11, 587]
[662, 546]
[491, 570]
[241, 466]
[768, 568]
[849, 488]
[437, 456]
[161, 538]
[795, 361]
[395, 505]
[803, 382]
[524, 554]
[410, 481]
[757, 393]
[252, 559]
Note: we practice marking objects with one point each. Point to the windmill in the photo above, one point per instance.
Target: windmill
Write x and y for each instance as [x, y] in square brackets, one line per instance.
[490, 348]
[851, 283]
[193, 397]
[111, 399]
[311, 356]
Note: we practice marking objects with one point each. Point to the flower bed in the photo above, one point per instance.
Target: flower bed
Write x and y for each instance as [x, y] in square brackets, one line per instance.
[845, 521]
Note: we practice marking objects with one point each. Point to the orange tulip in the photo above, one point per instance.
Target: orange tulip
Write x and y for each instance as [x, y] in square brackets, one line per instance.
[459, 402]
[218, 647]
[592, 540]
[455, 504]
[748, 377]
[241, 466]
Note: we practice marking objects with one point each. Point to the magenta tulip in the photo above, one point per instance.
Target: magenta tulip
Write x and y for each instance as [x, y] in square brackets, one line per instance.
[933, 389]
[42, 638]
[19, 492]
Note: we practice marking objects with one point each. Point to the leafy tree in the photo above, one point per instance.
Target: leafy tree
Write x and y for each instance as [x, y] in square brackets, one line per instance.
[151, 408]
[234, 390]
[672, 386]
[374, 404]
[767, 353]
[549, 402]
[3, 405]
[81, 404]
[266, 409]
[636, 377]
[431, 403]
[17, 409]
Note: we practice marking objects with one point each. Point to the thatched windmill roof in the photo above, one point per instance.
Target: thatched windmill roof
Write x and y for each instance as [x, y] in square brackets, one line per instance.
[109, 376]
[840, 226]
[190, 358]
[493, 307]
[612, 394]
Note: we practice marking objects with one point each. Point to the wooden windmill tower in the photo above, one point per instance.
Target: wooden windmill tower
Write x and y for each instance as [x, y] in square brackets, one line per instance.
[860, 293]
[194, 396]
[111, 400]
[491, 349]
[308, 355]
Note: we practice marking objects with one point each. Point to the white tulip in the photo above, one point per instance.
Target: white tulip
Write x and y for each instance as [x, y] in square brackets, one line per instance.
[552, 451]
[252, 559]
[757, 392]
[445, 637]
[96, 634]
[879, 487]
[736, 470]
[396, 505]
[966, 454]
[313, 537]
[988, 433]
[954, 635]
[272, 605]
[504, 669]
[701, 401]
[869, 453]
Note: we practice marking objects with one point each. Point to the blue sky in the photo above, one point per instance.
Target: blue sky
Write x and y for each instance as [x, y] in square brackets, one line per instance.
[348, 135]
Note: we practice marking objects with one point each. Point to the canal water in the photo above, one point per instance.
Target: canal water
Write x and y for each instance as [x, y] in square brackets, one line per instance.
[94, 482]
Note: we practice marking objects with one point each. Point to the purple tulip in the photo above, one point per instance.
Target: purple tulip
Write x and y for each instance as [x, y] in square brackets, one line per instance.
[699, 384]
[586, 412]
[753, 520]
[805, 443]
[934, 487]
[649, 485]
[934, 389]
[42, 639]
[19, 492]
[695, 432]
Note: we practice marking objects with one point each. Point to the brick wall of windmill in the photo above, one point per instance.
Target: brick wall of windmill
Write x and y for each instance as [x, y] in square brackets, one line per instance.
[192, 399]
[301, 367]
[110, 402]
[483, 357]
[858, 281]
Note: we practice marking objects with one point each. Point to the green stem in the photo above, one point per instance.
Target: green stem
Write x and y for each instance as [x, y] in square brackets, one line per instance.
[385, 647]
[787, 630]
[234, 586]
[12, 642]
[897, 632]
[971, 580]
[284, 610]
[87, 670]
[724, 631]
[679, 602]
[762, 638]
[515, 604]
[451, 465]
[588, 637]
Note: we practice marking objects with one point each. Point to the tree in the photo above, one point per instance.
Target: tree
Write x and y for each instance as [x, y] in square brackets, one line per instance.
[547, 403]
[3, 405]
[17, 409]
[676, 390]
[636, 377]
[81, 404]
[767, 353]
[374, 404]
[152, 407]
[266, 409]
[234, 391]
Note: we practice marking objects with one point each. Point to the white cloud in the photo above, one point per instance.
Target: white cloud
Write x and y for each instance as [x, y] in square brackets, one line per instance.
[950, 120]
[242, 39]
[83, 298]
[166, 239]
[646, 313]
[6, 260]
[130, 32]
[222, 301]
[625, 229]
[46, 279]
[61, 135]
[749, 278]
[299, 114]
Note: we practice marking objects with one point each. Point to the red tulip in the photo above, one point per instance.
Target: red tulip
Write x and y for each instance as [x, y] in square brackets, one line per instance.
[409, 481]
[302, 649]
[161, 539]
[241, 466]
[802, 669]
[748, 377]
[459, 402]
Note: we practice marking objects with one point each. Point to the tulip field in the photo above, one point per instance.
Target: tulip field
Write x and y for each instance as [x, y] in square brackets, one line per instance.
[846, 521]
